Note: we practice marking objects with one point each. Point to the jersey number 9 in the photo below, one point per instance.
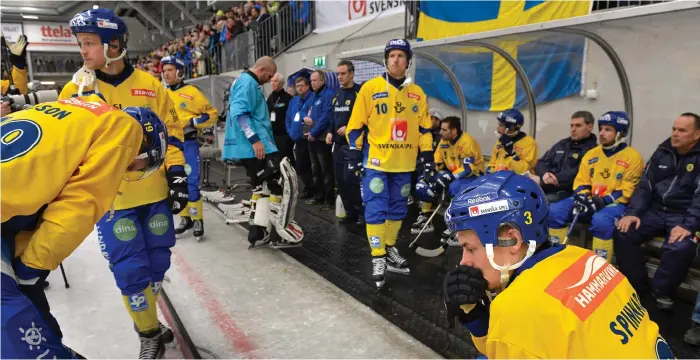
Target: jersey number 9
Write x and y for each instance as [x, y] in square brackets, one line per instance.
[18, 137]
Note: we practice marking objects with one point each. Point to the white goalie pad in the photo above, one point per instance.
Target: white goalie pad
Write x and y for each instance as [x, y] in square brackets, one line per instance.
[262, 212]
[290, 194]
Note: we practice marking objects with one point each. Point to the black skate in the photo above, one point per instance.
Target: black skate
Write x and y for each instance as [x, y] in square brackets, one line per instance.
[152, 345]
[395, 262]
[420, 222]
[186, 223]
[379, 271]
[198, 229]
[165, 333]
[258, 236]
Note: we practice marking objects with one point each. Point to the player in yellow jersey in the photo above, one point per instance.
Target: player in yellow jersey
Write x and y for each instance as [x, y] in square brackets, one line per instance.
[388, 127]
[514, 150]
[62, 163]
[194, 112]
[137, 238]
[522, 296]
[17, 59]
[458, 156]
[603, 185]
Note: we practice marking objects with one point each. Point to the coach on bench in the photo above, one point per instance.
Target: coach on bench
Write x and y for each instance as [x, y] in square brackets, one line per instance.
[665, 202]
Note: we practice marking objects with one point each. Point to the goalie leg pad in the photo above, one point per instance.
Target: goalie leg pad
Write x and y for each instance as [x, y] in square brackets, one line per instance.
[262, 212]
[290, 194]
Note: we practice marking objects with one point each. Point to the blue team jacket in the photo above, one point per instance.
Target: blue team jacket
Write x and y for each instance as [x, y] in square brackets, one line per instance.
[297, 110]
[248, 119]
[321, 111]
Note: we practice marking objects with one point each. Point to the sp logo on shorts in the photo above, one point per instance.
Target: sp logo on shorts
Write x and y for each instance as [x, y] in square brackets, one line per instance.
[374, 242]
[124, 229]
[376, 185]
[137, 302]
[158, 224]
[406, 190]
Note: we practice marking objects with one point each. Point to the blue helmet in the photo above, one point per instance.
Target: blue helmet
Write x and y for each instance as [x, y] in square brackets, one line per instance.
[617, 119]
[398, 44]
[500, 198]
[171, 60]
[511, 118]
[154, 145]
[102, 22]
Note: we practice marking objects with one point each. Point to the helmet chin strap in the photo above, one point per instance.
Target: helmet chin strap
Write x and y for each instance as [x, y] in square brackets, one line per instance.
[109, 60]
[619, 139]
[505, 269]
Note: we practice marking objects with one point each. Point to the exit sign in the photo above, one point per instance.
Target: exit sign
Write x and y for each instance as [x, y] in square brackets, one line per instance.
[320, 62]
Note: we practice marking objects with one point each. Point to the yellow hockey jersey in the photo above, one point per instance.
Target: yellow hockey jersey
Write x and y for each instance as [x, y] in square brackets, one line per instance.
[20, 78]
[613, 177]
[138, 88]
[68, 156]
[191, 103]
[571, 305]
[525, 147]
[450, 155]
[393, 124]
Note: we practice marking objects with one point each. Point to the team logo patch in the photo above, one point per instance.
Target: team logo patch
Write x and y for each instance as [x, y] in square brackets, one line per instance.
[376, 185]
[574, 155]
[182, 105]
[375, 162]
[95, 107]
[33, 337]
[143, 92]
[406, 190]
[618, 176]
[158, 224]
[690, 167]
[188, 169]
[488, 208]
[399, 128]
[380, 95]
[185, 96]
[415, 108]
[107, 25]
[622, 163]
[124, 229]
[347, 102]
[663, 351]
[138, 302]
[375, 242]
[593, 161]
[585, 285]
[413, 96]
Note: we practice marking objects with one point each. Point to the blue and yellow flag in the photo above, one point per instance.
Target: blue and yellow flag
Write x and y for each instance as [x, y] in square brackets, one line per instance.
[552, 62]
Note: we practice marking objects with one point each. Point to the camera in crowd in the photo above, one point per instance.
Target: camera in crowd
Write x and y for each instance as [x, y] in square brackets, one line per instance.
[21, 102]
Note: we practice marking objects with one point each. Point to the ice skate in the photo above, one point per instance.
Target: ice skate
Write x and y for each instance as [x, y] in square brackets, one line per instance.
[237, 216]
[395, 262]
[236, 206]
[278, 242]
[423, 218]
[186, 223]
[165, 333]
[379, 271]
[152, 345]
[449, 238]
[198, 231]
[258, 237]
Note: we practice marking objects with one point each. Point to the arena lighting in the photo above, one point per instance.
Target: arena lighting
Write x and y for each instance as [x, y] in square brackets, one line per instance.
[48, 83]
[27, 8]
[95, 6]
[34, 17]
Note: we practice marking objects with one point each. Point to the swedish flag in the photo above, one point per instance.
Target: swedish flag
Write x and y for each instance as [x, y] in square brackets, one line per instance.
[552, 62]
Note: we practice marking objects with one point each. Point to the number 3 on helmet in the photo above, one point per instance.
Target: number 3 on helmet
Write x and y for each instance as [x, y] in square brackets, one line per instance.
[153, 147]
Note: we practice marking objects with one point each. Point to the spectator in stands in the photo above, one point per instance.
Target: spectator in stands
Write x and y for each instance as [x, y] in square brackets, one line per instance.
[692, 336]
[348, 185]
[556, 170]
[278, 103]
[299, 108]
[318, 121]
[666, 202]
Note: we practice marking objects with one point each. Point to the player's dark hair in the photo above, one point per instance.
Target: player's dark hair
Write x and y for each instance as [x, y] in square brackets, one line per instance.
[302, 79]
[349, 64]
[585, 115]
[695, 117]
[453, 122]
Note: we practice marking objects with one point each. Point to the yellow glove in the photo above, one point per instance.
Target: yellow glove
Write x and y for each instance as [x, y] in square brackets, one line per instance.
[18, 47]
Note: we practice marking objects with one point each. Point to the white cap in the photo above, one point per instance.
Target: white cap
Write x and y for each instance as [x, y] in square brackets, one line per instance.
[435, 112]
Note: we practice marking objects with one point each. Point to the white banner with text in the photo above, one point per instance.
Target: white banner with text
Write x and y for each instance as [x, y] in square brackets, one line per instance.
[334, 15]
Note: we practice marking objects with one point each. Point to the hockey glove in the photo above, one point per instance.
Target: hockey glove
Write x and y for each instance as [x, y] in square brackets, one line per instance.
[464, 290]
[18, 52]
[177, 188]
[444, 178]
[27, 276]
[354, 160]
[427, 162]
[425, 191]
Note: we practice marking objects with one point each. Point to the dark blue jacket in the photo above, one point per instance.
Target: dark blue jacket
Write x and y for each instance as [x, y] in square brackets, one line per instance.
[670, 183]
[342, 109]
[294, 123]
[321, 112]
[563, 160]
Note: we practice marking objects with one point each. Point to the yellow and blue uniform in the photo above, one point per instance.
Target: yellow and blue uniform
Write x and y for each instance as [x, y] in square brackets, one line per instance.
[609, 174]
[390, 125]
[194, 112]
[20, 78]
[76, 150]
[136, 239]
[567, 303]
[525, 148]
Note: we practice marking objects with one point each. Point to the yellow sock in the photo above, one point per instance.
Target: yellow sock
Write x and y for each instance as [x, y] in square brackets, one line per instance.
[604, 248]
[185, 212]
[375, 235]
[142, 309]
[392, 231]
[558, 234]
[426, 207]
[275, 199]
[196, 209]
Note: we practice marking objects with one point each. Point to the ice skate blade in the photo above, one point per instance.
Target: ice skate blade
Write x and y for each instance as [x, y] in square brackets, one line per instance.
[379, 284]
[181, 235]
[198, 238]
[398, 270]
[236, 221]
[285, 246]
[415, 231]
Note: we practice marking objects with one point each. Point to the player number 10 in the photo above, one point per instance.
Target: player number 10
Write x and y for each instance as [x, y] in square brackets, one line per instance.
[381, 108]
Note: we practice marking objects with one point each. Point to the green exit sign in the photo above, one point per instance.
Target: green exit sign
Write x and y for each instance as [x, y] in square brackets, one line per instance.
[320, 62]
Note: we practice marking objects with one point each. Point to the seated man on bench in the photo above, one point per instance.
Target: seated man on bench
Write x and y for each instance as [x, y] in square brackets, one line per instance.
[665, 202]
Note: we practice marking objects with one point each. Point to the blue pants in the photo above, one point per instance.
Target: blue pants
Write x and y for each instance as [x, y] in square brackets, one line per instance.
[696, 312]
[602, 222]
[385, 195]
[191, 151]
[348, 184]
[675, 260]
[137, 243]
[457, 185]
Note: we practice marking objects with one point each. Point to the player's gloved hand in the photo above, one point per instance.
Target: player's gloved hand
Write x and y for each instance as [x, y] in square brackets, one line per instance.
[177, 188]
[354, 160]
[18, 52]
[444, 178]
[27, 276]
[425, 191]
[464, 291]
[427, 162]
[596, 203]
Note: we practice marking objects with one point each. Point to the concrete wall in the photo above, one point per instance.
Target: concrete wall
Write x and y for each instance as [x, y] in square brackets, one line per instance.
[661, 54]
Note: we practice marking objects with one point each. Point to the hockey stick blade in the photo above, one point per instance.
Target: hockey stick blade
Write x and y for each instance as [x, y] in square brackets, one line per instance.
[429, 253]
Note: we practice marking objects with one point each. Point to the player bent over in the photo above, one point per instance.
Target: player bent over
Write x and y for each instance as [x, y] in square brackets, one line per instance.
[603, 185]
[551, 301]
[389, 125]
[249, 138]
[194, 112]
[78, 151]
